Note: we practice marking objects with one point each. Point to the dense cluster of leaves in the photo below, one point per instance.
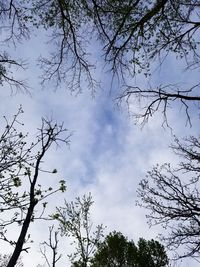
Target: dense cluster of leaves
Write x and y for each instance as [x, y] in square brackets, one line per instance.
[116, 251]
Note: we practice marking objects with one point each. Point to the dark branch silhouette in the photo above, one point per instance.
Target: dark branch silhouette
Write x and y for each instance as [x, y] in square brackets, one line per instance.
[20, 174]
[171, 195]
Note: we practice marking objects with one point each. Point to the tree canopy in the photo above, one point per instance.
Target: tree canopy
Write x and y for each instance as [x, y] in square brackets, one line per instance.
[138, 34]
[117, 251]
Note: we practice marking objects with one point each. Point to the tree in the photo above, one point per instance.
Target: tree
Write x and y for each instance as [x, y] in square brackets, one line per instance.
[74, 221]
[4, 259]
[171, 195]
[13, 31]
[117, 251]
[52, 244]
[21, 168]
[138, 33]
[151, 253]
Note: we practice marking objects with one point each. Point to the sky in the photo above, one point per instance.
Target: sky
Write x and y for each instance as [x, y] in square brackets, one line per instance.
[108, 154]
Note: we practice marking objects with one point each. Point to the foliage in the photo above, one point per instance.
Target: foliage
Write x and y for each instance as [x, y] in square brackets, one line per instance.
[151, 253]
[74, 221]
[20, 177]
[116, 251]
[172, 197]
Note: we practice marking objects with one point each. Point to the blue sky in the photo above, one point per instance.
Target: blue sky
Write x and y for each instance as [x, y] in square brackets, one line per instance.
[108, 154]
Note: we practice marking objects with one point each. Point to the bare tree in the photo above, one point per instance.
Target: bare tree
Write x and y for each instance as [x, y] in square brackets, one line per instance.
[68, 61]
[52, 244]
[20, 175]
[13, 29]
[171, 195]
[150, 101]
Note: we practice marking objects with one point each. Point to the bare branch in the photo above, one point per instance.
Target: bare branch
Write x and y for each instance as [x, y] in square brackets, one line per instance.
[171, 195]
[53, 245]
[159, 99]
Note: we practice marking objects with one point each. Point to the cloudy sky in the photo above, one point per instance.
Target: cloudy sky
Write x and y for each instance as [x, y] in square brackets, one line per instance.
[108, 155]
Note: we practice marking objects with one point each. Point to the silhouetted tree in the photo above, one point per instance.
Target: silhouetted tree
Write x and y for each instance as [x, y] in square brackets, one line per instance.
[52, 245]
[20, 175]
[171, 195]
